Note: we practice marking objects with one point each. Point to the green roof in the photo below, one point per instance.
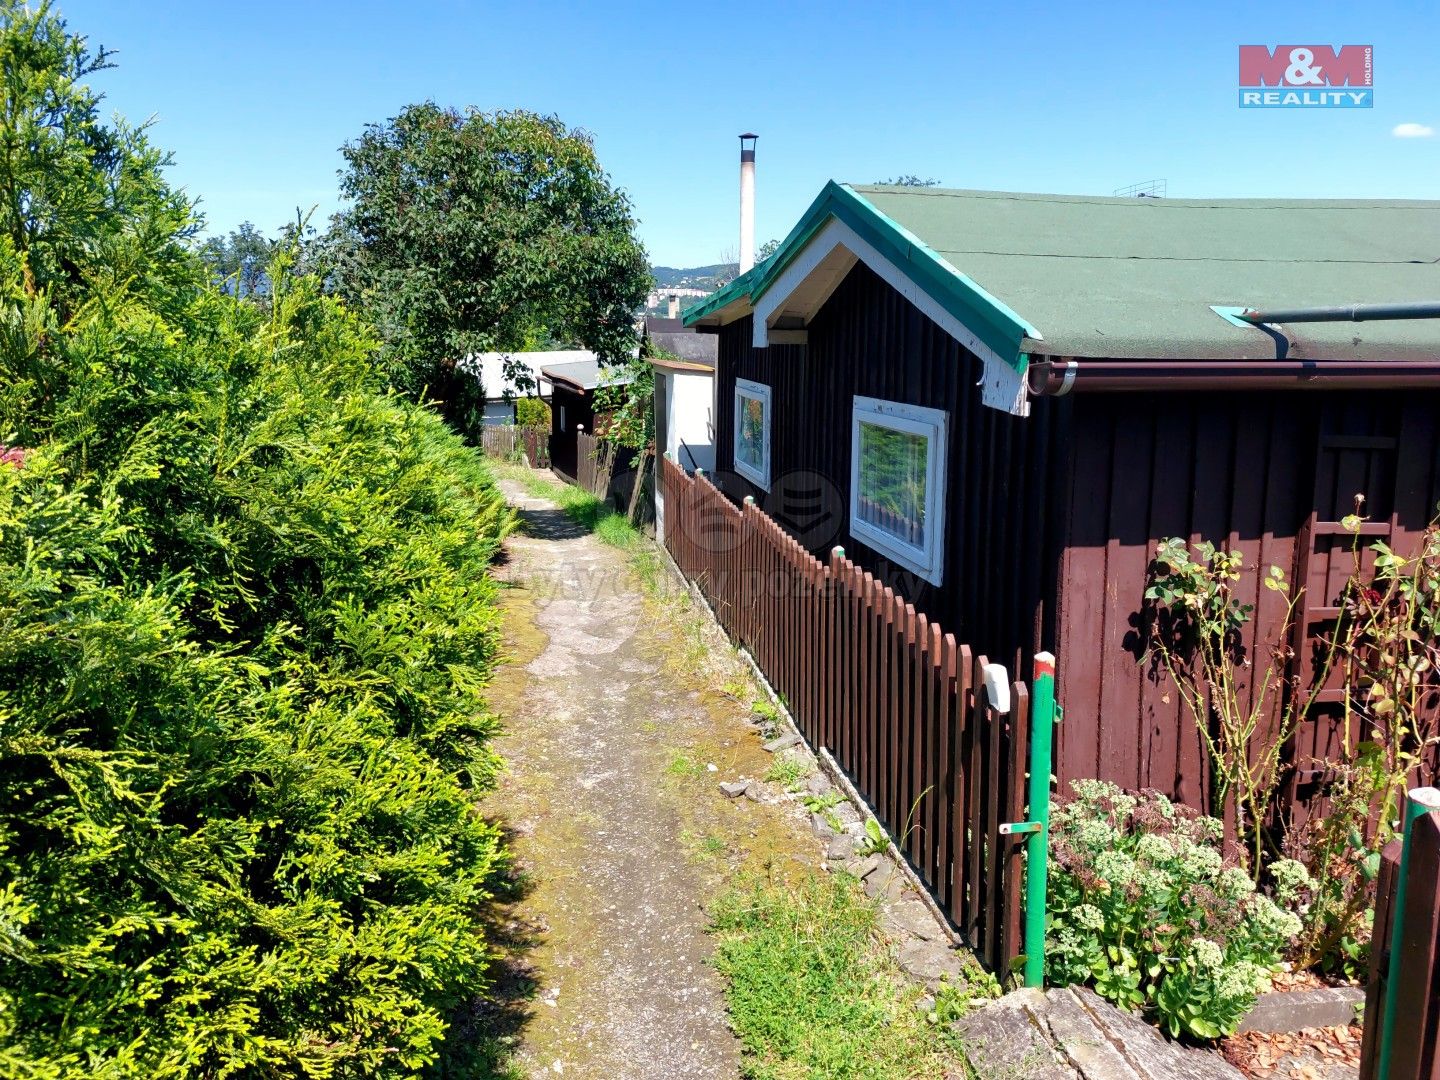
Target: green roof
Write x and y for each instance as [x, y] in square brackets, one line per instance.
[1067, 275]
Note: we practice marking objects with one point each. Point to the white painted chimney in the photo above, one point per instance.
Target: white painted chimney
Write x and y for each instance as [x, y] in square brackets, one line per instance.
[672, 306]
[747, 200]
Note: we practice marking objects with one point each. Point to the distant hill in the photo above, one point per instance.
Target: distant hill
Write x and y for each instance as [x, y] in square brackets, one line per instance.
[694, 277]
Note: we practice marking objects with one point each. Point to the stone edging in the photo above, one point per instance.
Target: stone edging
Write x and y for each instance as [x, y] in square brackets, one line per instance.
[1295, 1010]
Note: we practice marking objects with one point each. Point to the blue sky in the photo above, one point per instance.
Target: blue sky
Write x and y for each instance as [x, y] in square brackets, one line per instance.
[255, 99]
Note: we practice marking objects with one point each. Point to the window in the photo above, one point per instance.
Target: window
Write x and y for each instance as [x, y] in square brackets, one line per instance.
[897, 483]
[752, 431]
[562, 418]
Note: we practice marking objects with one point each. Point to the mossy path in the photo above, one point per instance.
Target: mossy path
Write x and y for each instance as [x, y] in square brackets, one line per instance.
[615, 816]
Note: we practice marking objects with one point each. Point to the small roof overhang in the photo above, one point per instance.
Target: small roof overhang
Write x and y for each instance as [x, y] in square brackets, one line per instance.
[584, 376]
[687, 367]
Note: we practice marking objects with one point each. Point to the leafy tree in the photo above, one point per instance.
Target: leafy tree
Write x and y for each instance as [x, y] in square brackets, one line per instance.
[238, 261]
[473, 231]
[767, 249]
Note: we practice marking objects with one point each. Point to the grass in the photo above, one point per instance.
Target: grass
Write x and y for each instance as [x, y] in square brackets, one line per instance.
[683, 765]
[812, 991]
[787, 770]
[581, 507]
[703, 847]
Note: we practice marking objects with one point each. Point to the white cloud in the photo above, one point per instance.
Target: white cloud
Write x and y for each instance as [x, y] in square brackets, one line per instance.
[1412, 131]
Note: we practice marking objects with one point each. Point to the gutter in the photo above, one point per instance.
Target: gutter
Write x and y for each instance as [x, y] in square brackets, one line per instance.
[561, 380]
[1343, 313]
[1056, 378]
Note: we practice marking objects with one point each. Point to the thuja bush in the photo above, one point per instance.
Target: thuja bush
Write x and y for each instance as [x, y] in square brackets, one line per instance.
[245, 630]
[532, 412]
[1150, 907]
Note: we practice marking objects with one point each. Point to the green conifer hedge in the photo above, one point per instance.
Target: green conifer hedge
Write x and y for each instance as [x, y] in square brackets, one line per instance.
[245, 632]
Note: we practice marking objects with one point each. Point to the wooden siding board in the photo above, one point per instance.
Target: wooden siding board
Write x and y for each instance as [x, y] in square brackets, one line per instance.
[1164, 715]
[1084, 583]
[1126, 555]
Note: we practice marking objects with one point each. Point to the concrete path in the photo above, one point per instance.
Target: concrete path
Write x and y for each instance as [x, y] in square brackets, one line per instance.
[610, 937]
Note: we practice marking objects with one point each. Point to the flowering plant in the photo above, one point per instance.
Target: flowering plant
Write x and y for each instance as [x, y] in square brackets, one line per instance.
[1152, 908]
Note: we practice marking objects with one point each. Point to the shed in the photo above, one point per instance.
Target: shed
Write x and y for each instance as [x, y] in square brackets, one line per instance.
[572, 405]
[1001, 402]
[501, 391]
[684, 363]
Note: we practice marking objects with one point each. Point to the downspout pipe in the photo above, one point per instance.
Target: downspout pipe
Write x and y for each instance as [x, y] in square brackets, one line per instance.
[1056, 378]
[1344, 313]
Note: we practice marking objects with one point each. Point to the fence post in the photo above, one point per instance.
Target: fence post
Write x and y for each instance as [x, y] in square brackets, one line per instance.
[1037, 859]
[1421, 801]
[1037, 828]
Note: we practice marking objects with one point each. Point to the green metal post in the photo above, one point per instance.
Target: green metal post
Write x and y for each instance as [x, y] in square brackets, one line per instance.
[1042, 723]
[1421, 801]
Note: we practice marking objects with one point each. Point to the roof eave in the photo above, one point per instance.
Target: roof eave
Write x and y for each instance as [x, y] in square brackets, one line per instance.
[989, 318]
[712, 311]
[666, 364]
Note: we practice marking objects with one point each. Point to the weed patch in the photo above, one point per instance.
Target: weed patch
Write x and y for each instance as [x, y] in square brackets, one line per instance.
[788, 770]
[684, 766]
[812, 991]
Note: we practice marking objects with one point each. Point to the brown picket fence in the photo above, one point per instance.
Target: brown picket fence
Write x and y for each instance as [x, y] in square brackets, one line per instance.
[500, 440]
[1415, 970]
[506, 441]
[900, 705]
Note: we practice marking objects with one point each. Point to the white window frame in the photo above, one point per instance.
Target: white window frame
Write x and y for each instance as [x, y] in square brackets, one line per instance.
[745, 388]
[933, 424]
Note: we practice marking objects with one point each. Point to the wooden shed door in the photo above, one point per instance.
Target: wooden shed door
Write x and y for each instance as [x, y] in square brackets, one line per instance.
[1346, 465]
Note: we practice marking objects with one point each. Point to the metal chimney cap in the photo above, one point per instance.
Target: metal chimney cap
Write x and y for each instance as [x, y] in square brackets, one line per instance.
[749, 135]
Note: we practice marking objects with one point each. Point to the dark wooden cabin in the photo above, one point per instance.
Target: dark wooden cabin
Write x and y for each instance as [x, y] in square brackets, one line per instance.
[572, 389]
[1071, 382]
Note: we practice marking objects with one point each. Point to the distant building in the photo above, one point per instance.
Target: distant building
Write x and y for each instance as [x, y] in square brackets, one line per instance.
[684, 392]
[571, 386]
[500, 392]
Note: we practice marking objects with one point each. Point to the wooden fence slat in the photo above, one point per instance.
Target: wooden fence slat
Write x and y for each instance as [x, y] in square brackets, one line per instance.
[939, 772]
[942, 647]
[976, 793]
[919, 719]
[986, 818]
